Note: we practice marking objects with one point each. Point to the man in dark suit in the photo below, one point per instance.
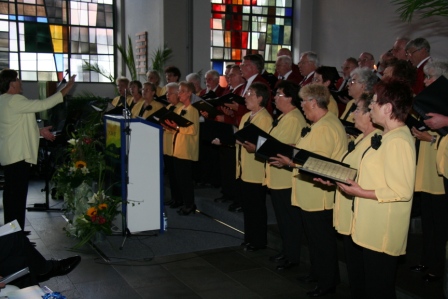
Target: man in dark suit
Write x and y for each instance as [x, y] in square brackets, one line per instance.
[17, 253]
[294, 67]
[308, 63]
[212, 84]
[283, 67]
[417, 52]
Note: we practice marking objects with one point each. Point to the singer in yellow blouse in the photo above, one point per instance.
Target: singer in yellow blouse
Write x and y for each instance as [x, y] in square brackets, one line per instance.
[185, 148]
[433, 200]
[325, 137]
[135, 87]
[149, 105]
[343, 205]
[122, 85]
[383, 191]
[286, 128]
[250, 171]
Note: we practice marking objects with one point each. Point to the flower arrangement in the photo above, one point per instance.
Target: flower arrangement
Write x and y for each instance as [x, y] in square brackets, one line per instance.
[97, 218]
[83, 161]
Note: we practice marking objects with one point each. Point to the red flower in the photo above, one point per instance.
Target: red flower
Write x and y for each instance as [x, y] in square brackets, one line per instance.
[87, 140]
[101, 220]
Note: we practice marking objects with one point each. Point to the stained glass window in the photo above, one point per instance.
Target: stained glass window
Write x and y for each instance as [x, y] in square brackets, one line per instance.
[241, 27]
[42, 38]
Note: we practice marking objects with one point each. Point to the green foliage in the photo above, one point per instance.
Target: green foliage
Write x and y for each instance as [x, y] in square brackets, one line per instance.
[160, 57]
[94, 67]
[129, 59]
[427, 8]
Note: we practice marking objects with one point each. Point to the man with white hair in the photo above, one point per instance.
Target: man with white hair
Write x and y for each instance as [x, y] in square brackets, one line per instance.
[283, 67]
[212, 84]
[399, 48]
[308, 63]
[417, 52]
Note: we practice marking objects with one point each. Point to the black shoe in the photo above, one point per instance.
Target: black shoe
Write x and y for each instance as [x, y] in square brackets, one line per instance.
[318, 292]
[244, 244]
[221, 199]
[307, 279]
[26, 232]
[431, 278]
[61, 267]
[184, 211]
[175, 205]
[251, 248]
[235, 207]
[277, 258]
[286, 265]
[419, 268]
[168, 203]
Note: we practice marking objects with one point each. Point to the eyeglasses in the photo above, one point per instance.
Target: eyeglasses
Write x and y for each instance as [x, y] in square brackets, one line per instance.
[280, 95]
[315, 79]
[353, 81]
[427, 77]
[410, 53]
[373, 102]
[250, 93]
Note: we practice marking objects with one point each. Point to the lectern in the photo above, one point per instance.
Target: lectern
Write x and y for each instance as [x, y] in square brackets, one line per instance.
[136, 168]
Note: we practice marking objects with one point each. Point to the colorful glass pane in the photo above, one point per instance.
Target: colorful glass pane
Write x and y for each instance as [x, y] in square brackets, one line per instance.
[35, 40]
[250, 26]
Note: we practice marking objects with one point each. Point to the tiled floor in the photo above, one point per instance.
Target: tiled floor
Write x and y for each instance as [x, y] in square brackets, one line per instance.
[219, 273]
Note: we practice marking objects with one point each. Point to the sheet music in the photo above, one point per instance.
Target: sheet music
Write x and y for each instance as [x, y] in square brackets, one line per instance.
[329, 170]
[260, 141]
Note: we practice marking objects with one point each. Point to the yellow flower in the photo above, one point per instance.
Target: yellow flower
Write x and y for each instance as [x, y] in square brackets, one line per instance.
[92, 211]
[102, 206]
[80, 164]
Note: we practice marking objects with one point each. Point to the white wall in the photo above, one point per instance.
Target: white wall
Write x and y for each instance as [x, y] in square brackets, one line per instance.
[346, 28]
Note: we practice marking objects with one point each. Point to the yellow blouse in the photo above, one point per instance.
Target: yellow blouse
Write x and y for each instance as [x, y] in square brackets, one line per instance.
[252, 170]
[345, 115]
[116, 100]
[326, 138]
[342, 211]
[155, 107]
[287, 131]
[186, 140]
[137, 107]
[426, 178]
[442, 157]
[333, 106]
[168, 134]
[382, 225]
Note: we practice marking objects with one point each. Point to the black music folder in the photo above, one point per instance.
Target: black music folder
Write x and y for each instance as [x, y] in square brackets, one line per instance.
[209, 95]
[323, 167]
[230, 98]
[170, 115]
[270, 147]
[433, 98]
[154, 118]
[350, 128]
[205, 105]
[211, 129]
[162, 99]
[250, 134]
[411, 121]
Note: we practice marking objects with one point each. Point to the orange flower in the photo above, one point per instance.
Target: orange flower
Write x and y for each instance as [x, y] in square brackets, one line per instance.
[80, 164]
[92, 211]
[102, 206]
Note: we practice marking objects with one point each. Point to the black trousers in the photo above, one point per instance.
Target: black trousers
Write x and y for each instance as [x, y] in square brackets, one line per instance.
[253, 201]
[227, 161]
[289, 220]
[355, 267]
[169, 166]
[15, 191]
[435, 229]
[184, 185]
[380, 270]
[16, 253]
[323, 248]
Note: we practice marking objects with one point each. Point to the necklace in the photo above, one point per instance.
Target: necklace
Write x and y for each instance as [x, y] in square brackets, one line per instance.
[253, 114]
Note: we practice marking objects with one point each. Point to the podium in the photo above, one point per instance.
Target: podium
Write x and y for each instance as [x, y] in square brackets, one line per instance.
[142, 159]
